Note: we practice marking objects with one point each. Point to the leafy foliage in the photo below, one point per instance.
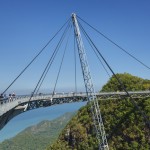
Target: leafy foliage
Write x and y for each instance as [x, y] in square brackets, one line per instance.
[125, 127]
[37, 137]
[131, 83]
[78, 133]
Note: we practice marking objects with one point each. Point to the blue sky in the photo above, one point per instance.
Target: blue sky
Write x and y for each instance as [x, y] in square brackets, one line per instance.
[27, 25]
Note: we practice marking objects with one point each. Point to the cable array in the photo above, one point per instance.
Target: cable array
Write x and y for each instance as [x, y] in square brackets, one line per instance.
[78, 43]
[114, 43]
[118, 80]
[35, 57]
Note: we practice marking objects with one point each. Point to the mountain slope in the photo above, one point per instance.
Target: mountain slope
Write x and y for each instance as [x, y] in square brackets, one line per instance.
[124, 126]
[37, 137]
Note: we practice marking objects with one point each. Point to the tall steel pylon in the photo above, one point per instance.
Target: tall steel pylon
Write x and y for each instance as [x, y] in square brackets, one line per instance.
[91, 96]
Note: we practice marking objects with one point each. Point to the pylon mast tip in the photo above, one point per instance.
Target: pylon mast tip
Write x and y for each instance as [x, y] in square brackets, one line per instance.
[73, 14]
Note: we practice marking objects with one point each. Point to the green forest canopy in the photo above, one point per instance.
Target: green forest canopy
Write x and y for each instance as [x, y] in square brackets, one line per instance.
[124, 125]
[131, 83]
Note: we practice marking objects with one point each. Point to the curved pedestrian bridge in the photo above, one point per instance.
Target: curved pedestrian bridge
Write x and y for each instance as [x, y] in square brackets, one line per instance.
[12, 106]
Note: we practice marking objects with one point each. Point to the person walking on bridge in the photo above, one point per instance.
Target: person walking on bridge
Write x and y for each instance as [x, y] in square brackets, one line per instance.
[1, 96]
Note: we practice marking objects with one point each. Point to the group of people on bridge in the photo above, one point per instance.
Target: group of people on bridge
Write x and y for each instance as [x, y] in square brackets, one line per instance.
[4, 98]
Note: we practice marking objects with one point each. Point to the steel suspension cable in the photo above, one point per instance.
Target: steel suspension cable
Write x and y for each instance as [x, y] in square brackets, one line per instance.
[75, 64]
[135, 58]
[47, 70]
[61, 65]
[35, 88]
[36, 56]
[95, 52]
[119, 81]
[58, 45]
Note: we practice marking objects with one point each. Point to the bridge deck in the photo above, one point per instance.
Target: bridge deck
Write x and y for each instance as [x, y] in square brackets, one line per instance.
[13, 106]
[10, 103]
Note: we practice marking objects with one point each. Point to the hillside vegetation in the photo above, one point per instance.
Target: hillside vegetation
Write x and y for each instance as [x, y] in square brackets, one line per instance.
[124, 125]
[131, 83]
[37, 137]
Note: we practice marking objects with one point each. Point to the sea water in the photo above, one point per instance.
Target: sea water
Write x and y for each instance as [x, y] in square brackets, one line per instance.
[32, 117]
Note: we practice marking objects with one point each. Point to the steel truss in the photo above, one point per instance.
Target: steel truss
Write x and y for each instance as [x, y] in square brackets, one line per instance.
[91, 96]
